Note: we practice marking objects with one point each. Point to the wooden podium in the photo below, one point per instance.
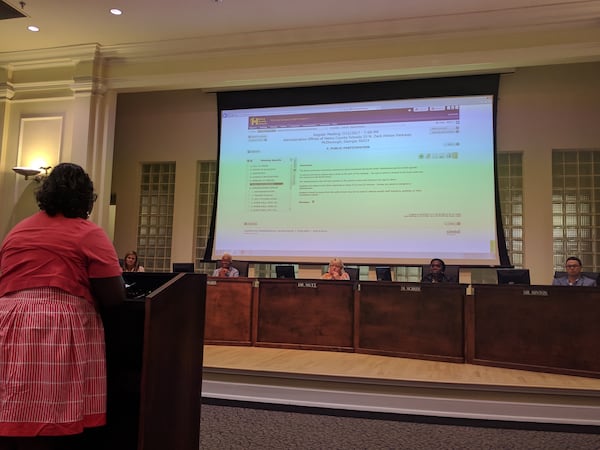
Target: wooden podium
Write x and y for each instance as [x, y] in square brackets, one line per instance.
[154, 349]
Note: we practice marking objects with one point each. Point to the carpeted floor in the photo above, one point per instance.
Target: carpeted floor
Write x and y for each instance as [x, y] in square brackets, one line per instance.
[229, 426]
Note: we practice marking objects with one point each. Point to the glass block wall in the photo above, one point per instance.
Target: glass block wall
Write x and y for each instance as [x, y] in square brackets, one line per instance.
[265, 270]
[575, 207]
[510, 189]
[407, 273]
[155, 222]
[205, 196]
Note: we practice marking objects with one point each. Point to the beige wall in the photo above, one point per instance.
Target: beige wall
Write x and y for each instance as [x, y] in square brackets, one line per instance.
[539, 109]
[16, 191]
[179, 126]
[66, 90]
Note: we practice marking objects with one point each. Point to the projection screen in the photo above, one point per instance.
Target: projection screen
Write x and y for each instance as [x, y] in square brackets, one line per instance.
[373, 182]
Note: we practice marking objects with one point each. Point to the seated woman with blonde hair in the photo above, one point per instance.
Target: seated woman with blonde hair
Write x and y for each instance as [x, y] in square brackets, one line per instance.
[336, 271]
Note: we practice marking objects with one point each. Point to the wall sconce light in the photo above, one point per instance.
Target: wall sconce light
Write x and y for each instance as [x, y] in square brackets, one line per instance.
[31, 172]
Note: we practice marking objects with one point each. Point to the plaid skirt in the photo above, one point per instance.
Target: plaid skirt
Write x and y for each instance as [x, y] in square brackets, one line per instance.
[52, 364]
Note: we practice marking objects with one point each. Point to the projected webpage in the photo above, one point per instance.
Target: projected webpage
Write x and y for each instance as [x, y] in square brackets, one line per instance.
[386, 182]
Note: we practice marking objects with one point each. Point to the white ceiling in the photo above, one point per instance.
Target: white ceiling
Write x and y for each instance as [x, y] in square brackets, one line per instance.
[233, 44]
[73, 22]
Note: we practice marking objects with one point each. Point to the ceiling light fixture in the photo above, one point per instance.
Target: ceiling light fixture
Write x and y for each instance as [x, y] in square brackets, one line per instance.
[33, 28]
[116, 11]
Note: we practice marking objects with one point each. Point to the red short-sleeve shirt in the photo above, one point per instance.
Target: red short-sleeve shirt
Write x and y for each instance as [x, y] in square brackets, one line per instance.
[44, 251]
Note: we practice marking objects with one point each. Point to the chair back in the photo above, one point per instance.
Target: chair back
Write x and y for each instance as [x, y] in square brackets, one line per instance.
[241, 266]
[353, 272]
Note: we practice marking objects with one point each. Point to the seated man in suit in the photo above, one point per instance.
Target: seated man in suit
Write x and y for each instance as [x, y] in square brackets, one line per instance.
[225, 269]
[436, 274]
[573, 276]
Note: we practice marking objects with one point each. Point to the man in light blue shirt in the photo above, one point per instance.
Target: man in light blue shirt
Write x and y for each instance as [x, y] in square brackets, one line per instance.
[225, 269]
[573, 276]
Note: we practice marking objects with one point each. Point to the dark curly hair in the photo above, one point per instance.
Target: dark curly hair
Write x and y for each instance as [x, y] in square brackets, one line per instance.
[68, 190]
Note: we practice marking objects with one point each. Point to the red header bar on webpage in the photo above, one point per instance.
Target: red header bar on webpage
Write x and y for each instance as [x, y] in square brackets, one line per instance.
[353, 118]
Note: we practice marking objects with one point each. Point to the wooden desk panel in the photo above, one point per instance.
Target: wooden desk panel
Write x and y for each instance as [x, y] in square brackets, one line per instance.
[545, 328]
[412, 320]
[555, 330]
[228, 311]
[310, 314]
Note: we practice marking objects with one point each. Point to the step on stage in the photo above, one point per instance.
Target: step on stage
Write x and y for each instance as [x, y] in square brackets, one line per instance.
[360, 382]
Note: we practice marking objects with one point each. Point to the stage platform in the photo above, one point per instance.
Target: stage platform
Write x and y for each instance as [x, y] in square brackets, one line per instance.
[360, 382]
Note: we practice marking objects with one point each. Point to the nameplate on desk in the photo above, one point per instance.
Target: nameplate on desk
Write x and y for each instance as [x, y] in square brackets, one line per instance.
[538, 292]
[307, 285]
[211, 282]
[410, 288]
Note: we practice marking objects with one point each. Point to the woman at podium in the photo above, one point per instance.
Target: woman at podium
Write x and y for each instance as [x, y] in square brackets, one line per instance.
[57, 270]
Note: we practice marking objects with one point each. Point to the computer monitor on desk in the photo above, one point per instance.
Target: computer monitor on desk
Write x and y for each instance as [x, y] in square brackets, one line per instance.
[140, 284]
[183, 267]
[383, 273]
[285, 272]
[513, 276]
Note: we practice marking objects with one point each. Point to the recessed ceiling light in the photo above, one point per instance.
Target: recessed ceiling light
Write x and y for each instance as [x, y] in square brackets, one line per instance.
[33, 28]
[116, 11]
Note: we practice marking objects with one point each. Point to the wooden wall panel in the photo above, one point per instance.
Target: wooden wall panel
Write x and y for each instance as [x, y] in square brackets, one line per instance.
[228, 311]
[545, 328]
[412, 320]
[306, 314]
